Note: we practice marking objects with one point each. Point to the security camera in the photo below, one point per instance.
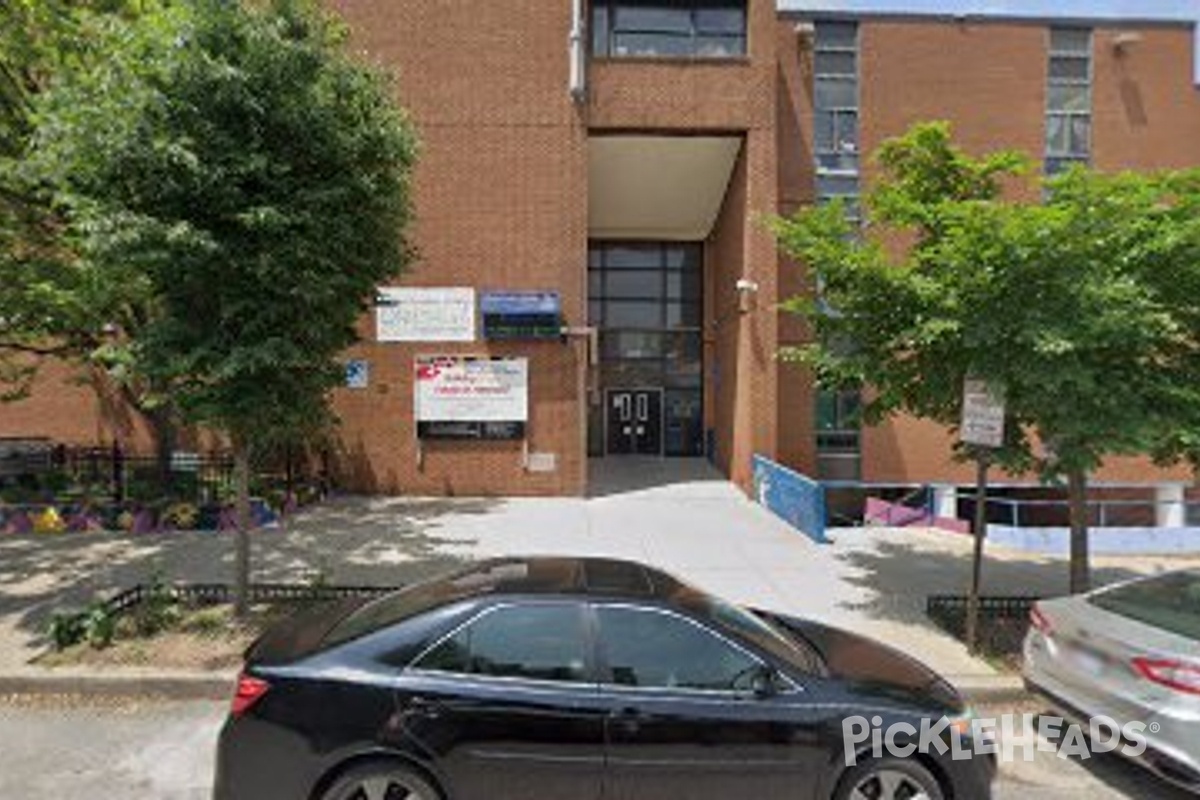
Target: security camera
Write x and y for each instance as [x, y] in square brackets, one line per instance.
[746, 285]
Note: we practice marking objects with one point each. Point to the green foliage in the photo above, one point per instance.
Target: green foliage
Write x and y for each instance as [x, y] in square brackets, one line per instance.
[159, 609]
[99, 625]
[66, 629]
[256, 180]
[1081, 306]
[54, 304]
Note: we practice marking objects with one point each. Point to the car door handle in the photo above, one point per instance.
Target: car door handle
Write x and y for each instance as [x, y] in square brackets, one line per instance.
[423, 706]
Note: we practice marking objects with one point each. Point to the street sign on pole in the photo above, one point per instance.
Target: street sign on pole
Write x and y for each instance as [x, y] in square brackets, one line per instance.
[982, 414]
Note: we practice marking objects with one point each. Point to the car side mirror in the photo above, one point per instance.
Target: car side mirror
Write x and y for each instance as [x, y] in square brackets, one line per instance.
[764, 682]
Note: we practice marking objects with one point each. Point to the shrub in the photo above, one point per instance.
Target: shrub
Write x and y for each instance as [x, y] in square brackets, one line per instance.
[99, 625]
[159, 609]
[66, 629]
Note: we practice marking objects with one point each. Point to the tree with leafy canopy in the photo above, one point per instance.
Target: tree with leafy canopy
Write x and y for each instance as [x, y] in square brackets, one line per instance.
[56, 304]
[1080, 306]
[235, 161]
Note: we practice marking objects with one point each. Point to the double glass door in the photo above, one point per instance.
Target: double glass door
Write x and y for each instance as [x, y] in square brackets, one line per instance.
[634, 421]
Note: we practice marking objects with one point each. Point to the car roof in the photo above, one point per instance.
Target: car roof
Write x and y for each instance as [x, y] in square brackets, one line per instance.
[561, 575]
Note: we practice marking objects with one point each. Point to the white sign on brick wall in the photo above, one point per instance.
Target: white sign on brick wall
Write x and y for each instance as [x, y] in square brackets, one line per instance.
[413, 314]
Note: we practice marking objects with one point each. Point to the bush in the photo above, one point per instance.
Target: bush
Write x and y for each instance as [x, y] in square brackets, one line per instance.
[66, 629]
[158, 611]
[99, 625]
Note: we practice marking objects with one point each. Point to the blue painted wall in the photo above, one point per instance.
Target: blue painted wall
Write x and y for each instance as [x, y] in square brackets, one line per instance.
[797, 500]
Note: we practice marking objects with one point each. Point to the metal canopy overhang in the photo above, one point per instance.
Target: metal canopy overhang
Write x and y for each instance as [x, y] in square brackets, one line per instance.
[666, 188]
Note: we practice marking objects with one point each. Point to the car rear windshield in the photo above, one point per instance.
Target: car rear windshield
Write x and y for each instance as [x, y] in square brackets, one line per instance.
[417, 599]
[1170, 602]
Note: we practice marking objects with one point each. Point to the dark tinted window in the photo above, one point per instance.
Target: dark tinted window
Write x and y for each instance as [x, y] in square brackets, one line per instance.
[669, 28]
[1170, 602]
[538, 642]
[649, 648]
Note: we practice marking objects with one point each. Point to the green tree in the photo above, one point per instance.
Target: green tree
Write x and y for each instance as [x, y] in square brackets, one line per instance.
[1076, 305]
[238, 163]
[57, 305]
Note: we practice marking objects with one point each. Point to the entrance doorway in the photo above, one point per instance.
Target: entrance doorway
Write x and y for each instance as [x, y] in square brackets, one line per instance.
[633, 419]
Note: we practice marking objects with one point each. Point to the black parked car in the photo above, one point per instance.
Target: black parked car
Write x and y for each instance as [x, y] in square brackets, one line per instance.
[572, 679]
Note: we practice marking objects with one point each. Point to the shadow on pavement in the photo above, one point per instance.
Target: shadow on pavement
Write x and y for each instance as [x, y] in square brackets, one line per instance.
[349, 540]
[897, 577]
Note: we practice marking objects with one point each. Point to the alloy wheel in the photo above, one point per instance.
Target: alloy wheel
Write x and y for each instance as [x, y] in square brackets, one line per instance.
[382, 787]
[888, 784]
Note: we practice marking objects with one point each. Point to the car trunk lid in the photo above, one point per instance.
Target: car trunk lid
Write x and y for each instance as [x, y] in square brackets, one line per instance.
[301, 634]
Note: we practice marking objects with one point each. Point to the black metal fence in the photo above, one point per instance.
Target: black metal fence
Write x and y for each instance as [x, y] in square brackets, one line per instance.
[1004, 621]
[211, 594]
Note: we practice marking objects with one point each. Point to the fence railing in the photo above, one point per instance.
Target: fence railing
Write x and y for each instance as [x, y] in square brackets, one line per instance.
[1102, 513]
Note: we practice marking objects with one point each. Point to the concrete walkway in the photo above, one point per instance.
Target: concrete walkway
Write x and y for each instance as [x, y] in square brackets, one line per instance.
[678, 515]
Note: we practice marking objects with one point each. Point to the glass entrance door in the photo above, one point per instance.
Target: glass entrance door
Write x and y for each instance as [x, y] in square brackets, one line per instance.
[634, 422]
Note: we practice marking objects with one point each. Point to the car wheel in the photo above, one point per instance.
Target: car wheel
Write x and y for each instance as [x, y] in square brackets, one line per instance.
[381, 781]
[888, 779]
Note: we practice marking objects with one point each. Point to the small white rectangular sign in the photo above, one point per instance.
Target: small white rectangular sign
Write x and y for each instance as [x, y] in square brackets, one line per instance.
[982, 415]
[413, 314]
[463, 389]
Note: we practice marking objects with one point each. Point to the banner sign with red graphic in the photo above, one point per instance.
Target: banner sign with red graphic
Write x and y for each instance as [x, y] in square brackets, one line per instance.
[471, 398]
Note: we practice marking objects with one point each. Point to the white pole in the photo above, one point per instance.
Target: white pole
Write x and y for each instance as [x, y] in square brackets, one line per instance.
[578, 77]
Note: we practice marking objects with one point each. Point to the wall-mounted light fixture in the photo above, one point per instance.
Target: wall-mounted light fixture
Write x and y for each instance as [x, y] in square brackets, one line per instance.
[746, 290]
[805, 31]
[1125, 40]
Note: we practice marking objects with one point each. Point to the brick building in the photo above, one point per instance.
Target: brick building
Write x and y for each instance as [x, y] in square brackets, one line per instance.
[605, 167]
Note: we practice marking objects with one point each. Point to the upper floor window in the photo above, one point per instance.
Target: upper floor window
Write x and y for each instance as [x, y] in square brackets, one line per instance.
[1069, 99]
[669, 28]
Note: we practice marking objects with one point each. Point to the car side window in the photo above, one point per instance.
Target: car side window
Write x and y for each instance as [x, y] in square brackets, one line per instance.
[544, 641]
[643, 647]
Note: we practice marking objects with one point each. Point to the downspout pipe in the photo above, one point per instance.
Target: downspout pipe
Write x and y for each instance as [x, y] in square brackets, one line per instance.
[578, 53]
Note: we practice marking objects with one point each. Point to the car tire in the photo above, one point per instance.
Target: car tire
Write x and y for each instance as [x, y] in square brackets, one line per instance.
[381, 780]
[888, 779]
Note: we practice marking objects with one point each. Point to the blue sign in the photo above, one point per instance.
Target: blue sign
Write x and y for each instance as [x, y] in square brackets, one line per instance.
[520, 303]
[358, 374]
[521, 315]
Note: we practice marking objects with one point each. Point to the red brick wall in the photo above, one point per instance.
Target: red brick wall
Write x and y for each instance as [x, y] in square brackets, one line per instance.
[989, 80]
[501, 203]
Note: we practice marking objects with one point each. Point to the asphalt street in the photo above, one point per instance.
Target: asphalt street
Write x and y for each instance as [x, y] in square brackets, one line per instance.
[81, 749]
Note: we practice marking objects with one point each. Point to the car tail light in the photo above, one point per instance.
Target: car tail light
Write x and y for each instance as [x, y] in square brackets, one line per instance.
[1038, 619]
[249, 691]
[1181, 676]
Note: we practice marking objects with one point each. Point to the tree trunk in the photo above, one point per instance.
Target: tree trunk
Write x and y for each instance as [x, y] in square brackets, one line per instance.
[162, 427]
[972, 622]
[1077, 491]
[241, 578]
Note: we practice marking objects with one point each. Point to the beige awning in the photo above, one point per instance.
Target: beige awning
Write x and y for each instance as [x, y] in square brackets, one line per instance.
[657, 187]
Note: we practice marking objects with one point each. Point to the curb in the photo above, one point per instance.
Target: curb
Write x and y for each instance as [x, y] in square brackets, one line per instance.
[215, 686]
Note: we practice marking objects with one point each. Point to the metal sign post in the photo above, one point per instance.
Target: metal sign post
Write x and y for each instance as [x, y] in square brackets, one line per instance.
[983, 429]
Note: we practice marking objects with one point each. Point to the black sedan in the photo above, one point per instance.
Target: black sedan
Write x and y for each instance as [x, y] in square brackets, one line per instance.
[576, 679]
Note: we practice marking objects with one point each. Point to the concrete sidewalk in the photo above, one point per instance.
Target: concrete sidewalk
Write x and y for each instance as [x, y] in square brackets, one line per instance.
[680, 516]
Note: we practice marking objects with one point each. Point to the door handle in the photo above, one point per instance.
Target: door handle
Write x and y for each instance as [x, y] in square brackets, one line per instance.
[423, 706]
